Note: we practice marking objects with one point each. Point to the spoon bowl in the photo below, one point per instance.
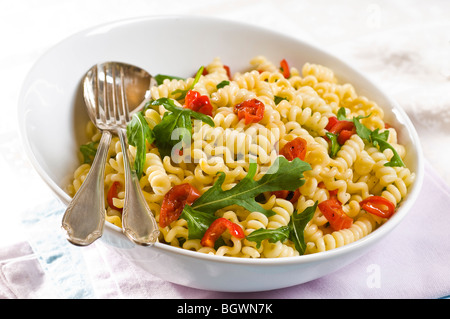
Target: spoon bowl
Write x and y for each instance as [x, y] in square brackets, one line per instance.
[136, 83]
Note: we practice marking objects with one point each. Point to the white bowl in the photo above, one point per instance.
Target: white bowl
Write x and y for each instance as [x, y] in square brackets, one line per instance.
[52, 120]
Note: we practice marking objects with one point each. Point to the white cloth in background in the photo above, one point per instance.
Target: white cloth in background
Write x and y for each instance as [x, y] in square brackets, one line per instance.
[412, 64]
[21, 275]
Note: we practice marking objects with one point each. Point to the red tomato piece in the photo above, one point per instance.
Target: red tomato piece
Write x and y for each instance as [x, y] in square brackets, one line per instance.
[343, 129]
[341, 126]
[174, 201]
[333, 212]
[344, 135]
[251, 110]
[294, 148]
[281, 194]
[227, 68]
[191, 96]
[332, 120]
[331, 192]
[113, 193]
[284, 68]
[217, 228]
[378, 206]
[198, 103]
[291, 196]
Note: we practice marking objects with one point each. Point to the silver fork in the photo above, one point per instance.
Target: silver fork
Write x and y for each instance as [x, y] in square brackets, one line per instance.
[138, 222]
[105, 90]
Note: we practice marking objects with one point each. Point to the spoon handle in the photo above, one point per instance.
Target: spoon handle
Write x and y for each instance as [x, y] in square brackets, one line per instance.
[138, 222]
[85, 215]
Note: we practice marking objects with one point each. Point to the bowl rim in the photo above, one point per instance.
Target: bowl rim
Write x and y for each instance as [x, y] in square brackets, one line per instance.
[377, 234]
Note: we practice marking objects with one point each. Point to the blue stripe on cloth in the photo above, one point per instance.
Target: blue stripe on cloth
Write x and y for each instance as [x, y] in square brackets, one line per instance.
[62, 262]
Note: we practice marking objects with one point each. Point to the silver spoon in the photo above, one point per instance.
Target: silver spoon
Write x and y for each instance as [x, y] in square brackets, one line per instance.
[112, 91]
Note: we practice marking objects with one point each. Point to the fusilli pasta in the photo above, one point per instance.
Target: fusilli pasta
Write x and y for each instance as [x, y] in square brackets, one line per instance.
[298, 106]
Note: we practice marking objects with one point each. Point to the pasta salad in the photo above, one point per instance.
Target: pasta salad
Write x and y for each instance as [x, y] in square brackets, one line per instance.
[271, 162]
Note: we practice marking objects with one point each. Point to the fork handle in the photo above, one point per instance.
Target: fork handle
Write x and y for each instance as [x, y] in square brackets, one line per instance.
[84, 217]
[138, 222]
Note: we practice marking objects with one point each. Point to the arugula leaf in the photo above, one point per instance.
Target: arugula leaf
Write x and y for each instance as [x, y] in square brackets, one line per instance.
[376, 136]
[362, 130]
[164, 130]
[273, 235]
[184, 92]
[278, 99]
[282, 175]
[294, 231]
[88, 151]
[335, 147]
[138, 133]
[297, 226]
[341, 116]
[222, 84]
[377, 139]
[198, 222]
[161, 77]
[176, 121]
[170, 106]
